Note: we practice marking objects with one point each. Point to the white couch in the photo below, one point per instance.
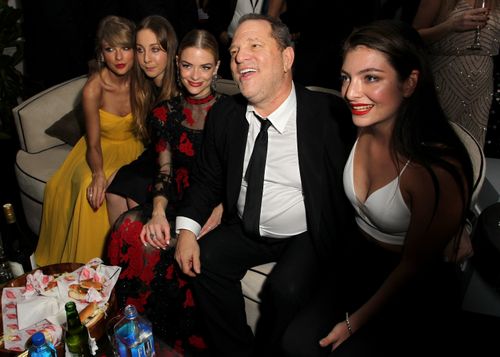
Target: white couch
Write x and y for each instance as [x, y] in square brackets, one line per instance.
[40, 155]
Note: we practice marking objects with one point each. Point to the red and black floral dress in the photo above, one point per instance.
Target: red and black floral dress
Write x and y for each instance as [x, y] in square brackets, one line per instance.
[150, 278]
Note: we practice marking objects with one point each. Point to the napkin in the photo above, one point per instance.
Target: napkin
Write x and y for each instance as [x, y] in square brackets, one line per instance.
[35, 309]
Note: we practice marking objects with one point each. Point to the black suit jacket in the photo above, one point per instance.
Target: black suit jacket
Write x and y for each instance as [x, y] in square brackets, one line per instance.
[324, 137]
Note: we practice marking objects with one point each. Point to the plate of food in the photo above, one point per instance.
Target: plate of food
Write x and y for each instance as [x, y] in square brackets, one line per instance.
[92, 292]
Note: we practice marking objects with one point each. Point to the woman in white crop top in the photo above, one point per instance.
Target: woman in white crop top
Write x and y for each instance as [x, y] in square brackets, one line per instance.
[409, 179]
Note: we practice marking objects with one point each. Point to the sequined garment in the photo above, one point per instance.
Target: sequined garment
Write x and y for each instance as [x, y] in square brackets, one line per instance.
[464, 77]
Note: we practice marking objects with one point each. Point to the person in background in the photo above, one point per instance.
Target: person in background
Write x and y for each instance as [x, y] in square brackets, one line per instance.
[464, 76]
[305, 142]
[75, 222]
[223, 16]
[149, 278]
[409, 179]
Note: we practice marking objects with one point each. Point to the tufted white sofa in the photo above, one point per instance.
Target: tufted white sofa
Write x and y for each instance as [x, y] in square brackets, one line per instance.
[40, 155]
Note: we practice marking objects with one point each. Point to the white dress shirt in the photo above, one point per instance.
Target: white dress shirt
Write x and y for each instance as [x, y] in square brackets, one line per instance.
[283, 212]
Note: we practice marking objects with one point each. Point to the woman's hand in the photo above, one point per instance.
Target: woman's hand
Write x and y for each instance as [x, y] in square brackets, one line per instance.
[213, 221]
[156, 232]
[339, 334]
[96, 191]
[468, 20]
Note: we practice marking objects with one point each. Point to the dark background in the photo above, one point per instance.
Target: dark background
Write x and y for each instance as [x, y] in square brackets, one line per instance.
[59, 42]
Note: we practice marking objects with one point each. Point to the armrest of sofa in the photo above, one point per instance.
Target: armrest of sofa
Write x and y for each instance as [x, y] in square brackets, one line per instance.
[33, 116]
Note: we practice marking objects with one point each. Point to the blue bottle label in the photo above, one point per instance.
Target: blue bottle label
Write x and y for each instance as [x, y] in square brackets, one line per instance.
[131, 345]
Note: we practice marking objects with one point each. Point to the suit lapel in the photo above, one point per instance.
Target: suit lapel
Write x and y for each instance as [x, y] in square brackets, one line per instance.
[237, 138]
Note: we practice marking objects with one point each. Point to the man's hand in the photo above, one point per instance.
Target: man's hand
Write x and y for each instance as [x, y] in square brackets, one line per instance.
[187, 253]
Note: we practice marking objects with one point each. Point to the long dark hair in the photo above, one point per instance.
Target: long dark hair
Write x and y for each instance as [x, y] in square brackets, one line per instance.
[143, 89]
[421, 132]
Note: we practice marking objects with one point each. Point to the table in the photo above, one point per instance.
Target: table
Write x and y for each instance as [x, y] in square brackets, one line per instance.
[97, 331]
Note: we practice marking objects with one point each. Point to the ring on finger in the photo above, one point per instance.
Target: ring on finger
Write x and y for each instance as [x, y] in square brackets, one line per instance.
[152, 235]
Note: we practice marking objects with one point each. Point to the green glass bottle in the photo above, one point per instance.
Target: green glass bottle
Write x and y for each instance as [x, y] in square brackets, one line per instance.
[77, 336]
[16, 243]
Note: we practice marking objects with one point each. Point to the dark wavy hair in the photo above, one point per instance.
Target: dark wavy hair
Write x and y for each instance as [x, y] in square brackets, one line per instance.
[422, 133]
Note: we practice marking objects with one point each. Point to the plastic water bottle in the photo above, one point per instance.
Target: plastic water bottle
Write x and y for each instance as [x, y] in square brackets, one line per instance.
[40, 347]
[134, 335]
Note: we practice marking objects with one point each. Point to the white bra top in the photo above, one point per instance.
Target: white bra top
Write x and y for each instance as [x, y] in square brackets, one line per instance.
[384, 215]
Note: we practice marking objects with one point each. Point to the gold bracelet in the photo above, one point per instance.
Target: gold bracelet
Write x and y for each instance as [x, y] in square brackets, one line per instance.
[348, 323]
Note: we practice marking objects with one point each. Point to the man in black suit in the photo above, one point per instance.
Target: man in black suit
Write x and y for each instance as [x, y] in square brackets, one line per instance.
[302, 185]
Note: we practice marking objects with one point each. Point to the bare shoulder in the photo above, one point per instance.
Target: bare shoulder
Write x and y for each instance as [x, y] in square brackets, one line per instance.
[418, 180]
[93, 87]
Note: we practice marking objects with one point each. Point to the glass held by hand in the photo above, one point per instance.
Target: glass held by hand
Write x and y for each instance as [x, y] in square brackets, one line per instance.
[479, 4]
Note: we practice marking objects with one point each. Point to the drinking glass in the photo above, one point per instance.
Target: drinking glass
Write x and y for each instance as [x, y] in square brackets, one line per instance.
[479, 4]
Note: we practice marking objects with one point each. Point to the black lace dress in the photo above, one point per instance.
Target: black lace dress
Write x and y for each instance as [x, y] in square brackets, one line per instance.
[150, 278]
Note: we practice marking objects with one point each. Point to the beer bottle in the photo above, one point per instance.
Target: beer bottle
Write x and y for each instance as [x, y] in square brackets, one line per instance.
[77, 336]
[15, 243]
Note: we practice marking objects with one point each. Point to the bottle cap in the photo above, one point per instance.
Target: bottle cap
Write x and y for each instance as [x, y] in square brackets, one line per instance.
[8, 211]
[130, 312]
[38, 338]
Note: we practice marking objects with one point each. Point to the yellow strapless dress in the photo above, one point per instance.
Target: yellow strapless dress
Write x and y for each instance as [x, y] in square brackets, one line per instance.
[70, 230]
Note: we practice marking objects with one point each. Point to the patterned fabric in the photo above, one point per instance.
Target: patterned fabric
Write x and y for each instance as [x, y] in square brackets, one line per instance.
[150, 278]
[464, 77]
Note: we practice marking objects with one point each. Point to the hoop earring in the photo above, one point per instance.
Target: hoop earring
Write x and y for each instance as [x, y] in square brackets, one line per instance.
[213, 84]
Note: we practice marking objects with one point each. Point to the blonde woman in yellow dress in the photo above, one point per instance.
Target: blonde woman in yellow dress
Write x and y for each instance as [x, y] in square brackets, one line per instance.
[75, 220]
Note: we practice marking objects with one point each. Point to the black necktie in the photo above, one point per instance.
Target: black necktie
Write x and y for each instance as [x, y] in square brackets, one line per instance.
[254, 177]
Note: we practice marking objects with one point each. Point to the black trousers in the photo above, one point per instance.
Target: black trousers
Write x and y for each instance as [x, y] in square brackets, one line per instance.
[226, 255]
[422, 319]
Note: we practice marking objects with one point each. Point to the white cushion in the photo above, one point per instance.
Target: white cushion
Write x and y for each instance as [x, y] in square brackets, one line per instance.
[251, 284]
[33, 116]
[34, 170]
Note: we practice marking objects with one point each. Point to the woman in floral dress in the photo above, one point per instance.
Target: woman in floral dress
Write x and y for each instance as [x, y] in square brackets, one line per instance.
[142, 240]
